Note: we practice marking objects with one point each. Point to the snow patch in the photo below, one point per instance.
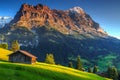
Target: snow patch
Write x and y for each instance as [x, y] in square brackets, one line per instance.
[77, 10]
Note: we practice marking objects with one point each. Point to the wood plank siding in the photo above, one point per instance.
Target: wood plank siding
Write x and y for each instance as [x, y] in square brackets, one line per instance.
[22, 57]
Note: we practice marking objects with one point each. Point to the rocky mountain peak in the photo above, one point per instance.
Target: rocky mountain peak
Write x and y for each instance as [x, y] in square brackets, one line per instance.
[25, 7]
[39, 6]
[77, 10]
[72, 21]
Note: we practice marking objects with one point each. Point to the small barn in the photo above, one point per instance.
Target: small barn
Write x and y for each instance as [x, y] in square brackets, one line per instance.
[21, 56]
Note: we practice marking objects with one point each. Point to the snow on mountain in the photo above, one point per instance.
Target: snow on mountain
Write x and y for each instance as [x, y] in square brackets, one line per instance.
[77, 10]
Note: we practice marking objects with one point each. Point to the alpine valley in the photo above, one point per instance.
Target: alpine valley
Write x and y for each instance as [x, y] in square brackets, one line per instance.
[64, 33]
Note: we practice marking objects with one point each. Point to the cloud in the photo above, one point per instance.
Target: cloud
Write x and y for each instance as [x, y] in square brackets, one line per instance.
[5, 17]
[0, 17]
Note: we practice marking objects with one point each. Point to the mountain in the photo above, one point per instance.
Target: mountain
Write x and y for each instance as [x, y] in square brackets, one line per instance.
[70, 21]
[0, 25]
[65, 33]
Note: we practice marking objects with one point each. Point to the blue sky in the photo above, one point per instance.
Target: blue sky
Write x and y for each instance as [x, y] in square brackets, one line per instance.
[105, 12]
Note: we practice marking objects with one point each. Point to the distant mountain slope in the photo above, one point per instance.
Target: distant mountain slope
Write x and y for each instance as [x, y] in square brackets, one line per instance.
[42, 71]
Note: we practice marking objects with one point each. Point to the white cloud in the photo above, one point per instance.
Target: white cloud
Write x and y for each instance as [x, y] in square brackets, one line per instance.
[5, 17]
[0, 17]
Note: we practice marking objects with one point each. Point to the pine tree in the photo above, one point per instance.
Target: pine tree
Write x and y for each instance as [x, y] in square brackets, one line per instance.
[109, 72]
[90, 70]
[49, 59]
[115, 73]
[95, 69]
[112, 73]
[70, 64]
[79, 63]
[15, 46]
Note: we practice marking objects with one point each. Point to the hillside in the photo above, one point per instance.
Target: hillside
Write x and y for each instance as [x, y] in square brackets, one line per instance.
[42, 71]
[4, 53]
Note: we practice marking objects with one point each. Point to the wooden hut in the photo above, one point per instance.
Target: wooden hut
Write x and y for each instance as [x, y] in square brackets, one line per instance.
[22, 57]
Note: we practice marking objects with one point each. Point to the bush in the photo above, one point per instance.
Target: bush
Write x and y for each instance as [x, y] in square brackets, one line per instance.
[4, 46]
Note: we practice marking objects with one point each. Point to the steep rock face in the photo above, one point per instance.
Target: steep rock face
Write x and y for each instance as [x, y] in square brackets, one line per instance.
[73, 21]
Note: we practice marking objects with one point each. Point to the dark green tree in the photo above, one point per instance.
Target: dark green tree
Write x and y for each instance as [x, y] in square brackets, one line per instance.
[79, 63]
[95, 69]
[115, 73]
[15, 46]
[49, 59]
[4, 46]
[109, 72]
[90, 69]
[112, 73]
[118, 75]
[70, 64]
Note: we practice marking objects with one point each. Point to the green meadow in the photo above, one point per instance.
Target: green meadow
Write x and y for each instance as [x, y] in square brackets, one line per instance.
[40, 71]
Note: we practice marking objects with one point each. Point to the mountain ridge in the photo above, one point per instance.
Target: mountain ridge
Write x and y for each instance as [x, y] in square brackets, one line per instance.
[66, 22]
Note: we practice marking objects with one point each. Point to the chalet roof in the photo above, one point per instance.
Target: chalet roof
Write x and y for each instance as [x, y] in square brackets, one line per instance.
[25, 53]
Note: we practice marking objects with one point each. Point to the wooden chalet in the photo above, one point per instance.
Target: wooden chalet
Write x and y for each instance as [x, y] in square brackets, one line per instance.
[21, 56]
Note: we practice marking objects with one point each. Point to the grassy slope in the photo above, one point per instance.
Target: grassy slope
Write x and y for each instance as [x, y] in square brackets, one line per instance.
[4, 53]
[40, 71]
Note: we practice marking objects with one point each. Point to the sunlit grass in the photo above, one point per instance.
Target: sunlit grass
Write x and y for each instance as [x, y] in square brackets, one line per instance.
[4, 53]
[43, 71]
